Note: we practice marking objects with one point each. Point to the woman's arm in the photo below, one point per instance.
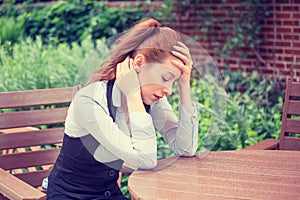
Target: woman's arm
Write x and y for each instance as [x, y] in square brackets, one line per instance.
[138, 150]
[180, 134]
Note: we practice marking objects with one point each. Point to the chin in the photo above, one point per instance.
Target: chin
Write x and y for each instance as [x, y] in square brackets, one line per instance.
[149, 102]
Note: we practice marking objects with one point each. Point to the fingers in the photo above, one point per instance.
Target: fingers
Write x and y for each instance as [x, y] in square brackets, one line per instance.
[124, 67]
[178, 63]
[182, 52]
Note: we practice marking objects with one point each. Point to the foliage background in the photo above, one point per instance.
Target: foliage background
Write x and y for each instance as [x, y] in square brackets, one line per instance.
[44, 46]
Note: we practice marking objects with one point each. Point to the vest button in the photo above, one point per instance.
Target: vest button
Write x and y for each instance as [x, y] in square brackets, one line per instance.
[111, 172]
[107, 193]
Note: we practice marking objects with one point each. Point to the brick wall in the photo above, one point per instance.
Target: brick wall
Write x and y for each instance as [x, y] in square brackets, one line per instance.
[278, 57]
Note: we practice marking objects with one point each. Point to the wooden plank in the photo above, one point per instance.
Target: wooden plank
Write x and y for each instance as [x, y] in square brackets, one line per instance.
[265, 165]
[229, 188]
[263, 174]
[36, 97]
[33, 118]
[16, 130]
[267, 144]
[295, 89]
[31, 138]
[291, 143]
[29, 159]
[145, 193]
[33, 178]
[292, 126]
[14, 188]
[293, 107]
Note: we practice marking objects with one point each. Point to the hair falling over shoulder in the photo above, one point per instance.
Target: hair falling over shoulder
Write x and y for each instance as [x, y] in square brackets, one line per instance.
[148, 37]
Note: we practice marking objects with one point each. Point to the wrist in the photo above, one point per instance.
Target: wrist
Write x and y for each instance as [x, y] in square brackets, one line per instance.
[135, 103]
[184, 85]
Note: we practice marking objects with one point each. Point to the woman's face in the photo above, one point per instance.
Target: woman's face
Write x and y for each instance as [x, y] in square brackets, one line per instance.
[156, 79]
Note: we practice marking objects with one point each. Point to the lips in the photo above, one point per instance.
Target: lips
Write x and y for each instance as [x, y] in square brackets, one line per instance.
[157, 97]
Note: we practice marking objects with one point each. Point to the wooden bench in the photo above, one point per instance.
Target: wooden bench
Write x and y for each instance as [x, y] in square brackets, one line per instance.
[290, 124]
[31, 131]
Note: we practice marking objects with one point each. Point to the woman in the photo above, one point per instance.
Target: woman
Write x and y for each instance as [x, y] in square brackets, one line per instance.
[113, 118]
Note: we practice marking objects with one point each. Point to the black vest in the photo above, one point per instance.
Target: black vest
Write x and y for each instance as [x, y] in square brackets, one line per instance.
[76, 173]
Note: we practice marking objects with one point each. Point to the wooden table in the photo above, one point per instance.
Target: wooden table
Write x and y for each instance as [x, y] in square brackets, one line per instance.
[262, 174]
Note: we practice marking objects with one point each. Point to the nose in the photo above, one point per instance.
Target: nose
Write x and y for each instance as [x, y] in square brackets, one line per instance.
[167, 91]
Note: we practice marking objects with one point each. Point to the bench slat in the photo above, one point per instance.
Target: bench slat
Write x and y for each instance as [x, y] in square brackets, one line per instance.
[33, 118]
[34, 178]
[31, 138]
[292, 126]
[291, 143]
[14, 188]
[267, 144]
[293, 107]
[28, 159]
[36, 97]
[295, 89]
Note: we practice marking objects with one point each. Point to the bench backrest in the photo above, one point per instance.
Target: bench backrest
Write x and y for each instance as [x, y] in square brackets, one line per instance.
[290, 127]
[31, 123]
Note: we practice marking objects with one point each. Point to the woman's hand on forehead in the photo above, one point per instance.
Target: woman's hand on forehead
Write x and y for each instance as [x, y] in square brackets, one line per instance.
[185, 61]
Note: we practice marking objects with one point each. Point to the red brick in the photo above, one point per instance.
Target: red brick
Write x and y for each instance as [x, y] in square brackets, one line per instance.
[295, 66]
[290, 51]
[285, 72]
[246, 62]
[267, 29]
[278, 8]
[296, 30]
[284, 30]
[290, 37]
[282, 1]
[268, 71]
[291, 23]
[283, 15]
[270, 36]
[296, 15]
[271, 22]
[279, 65]
[286, 58]
[290, 8]
[283, 44]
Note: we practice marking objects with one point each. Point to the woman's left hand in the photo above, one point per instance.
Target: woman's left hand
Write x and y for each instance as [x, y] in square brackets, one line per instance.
[182, 52]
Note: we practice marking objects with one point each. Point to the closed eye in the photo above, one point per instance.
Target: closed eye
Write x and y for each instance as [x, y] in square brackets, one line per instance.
[165, 78]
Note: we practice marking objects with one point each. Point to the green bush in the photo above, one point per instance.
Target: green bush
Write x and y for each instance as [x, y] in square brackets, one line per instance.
[12, 30]
[34, 65]
[246, 116]
[72, 21]
[64, 20]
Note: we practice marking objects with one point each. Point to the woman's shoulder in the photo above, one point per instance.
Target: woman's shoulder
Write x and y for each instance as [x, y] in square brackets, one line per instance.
[96, 91]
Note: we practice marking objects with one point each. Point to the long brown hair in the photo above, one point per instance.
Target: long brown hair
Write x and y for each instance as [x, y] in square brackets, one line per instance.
[147, 37]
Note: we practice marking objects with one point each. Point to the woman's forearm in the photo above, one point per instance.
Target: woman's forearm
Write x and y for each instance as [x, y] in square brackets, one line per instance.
[135, 103]
[185, 93]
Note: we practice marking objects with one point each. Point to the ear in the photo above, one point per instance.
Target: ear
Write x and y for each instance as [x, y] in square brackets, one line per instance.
[138, 62]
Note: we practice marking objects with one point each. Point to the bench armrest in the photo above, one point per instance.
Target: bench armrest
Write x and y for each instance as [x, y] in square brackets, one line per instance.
[267, 144]
[14, 188]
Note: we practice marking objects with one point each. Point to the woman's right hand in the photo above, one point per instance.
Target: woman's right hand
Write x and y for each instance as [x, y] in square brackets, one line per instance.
[126, 78]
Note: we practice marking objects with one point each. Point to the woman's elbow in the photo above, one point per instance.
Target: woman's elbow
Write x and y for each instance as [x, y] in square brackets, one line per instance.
[146, 161]
[186, 153]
